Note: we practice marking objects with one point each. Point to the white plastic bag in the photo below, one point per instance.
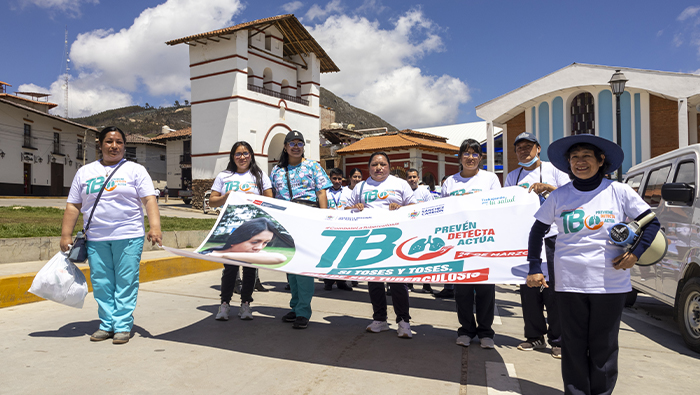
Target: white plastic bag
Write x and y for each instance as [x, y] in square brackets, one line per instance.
[61, 281]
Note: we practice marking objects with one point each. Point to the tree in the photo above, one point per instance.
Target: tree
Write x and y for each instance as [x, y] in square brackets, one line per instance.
[187, 103]
[177, 104]
[147, 106]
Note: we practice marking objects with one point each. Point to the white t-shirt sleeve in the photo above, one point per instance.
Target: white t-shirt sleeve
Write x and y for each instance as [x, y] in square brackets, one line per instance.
[634, 205]
[511, 178]
[218, 184]
[495, 182]
[355, 194]
[266, 183]
[144, 183]
[407, 193]
[561, 177]
[547, 210]
[76, 192]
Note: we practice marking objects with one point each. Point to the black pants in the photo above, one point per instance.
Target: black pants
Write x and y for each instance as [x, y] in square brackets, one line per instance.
[228, 281]
[485, 296]
[590, 326]
[533, 302]
[399, 298]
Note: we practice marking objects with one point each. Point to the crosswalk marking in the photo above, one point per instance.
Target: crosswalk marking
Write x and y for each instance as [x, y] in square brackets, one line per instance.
[501, 378]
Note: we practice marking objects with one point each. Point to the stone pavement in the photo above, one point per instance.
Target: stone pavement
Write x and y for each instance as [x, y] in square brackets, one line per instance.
[179, 348]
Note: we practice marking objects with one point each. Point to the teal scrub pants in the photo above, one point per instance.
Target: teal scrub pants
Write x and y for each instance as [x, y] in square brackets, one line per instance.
[302, 288]
[114, 272]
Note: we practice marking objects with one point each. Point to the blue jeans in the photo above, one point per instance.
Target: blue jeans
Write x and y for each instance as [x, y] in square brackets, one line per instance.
[114, 272]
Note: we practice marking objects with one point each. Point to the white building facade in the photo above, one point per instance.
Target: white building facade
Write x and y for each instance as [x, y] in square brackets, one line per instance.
[253, 82]
[39, 152]
[659, 110]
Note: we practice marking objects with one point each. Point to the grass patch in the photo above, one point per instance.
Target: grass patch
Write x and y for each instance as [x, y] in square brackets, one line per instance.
[46, 222]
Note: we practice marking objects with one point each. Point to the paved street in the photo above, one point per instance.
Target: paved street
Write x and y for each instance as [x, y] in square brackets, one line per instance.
[174, 207]
[178, 347]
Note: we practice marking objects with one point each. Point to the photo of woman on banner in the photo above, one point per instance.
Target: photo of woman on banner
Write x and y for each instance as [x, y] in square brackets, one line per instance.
[470, 180]
[591, 273]
[542, 178]
[242, 175]
[384, 191]
[245, 244]
[303, 181]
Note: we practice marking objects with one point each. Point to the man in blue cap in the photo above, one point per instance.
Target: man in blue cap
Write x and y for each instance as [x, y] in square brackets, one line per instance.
[542, 178]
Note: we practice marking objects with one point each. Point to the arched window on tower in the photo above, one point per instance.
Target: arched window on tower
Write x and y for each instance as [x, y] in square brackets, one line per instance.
[267, 78]
[285, 87]
[583, 114]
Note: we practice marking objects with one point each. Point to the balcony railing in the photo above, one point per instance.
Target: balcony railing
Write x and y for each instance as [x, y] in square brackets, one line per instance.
[268, 92]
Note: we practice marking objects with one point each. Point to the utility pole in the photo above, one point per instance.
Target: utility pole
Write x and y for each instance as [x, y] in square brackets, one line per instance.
[65, 80]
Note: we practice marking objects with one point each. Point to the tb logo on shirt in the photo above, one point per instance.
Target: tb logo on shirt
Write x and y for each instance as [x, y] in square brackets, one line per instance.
[461, 192]
[371, 196]
[94, 185]
[576, 220]
[238, 186]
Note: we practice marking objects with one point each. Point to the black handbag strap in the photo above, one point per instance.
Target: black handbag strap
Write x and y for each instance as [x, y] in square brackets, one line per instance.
[99, 195]
[289, 184]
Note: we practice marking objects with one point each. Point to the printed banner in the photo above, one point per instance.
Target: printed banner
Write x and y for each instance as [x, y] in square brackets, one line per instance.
[478, 238]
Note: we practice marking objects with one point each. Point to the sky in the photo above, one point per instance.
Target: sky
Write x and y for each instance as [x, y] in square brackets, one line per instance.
[414, 63]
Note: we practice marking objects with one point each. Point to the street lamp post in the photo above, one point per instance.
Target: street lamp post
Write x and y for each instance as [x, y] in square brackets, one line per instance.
[617, 84]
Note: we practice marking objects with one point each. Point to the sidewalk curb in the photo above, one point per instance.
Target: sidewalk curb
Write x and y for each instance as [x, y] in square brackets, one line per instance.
[14, 288]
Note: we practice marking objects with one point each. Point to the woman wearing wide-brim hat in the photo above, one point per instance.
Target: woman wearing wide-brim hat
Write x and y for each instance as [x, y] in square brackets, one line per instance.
[591, 273]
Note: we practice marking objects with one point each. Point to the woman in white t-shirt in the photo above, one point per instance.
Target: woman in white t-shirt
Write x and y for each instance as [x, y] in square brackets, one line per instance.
[470, 180]
[591, 288]
[354, 177]
[115, 234]
[242, 175]
[384, 191]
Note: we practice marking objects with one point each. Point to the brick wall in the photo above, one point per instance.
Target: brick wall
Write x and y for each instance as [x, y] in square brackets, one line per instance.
[327, 117]
[516, 125]
[663, 125]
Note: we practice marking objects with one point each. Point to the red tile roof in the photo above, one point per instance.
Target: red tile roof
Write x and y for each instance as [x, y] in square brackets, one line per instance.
[13, 97]
[173, 135]
[404, 139]
[138, 139]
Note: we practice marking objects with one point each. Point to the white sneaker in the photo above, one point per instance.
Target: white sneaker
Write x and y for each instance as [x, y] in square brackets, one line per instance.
[487, 342]
[222, 315]
[378, 326]
[404, 330]
[464, 340]
[244, 312]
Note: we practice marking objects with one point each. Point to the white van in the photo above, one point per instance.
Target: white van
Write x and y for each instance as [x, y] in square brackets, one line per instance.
[668, 183]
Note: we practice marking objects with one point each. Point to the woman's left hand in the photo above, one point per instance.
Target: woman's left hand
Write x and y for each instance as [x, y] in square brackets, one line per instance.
[625, 261]
[539, 187]
[394, 206]
[155, 236]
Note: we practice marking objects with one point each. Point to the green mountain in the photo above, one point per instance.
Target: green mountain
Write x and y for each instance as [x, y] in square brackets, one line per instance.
[148, 121]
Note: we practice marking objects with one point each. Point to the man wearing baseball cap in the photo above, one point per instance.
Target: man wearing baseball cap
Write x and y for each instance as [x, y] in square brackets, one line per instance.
[542, 178]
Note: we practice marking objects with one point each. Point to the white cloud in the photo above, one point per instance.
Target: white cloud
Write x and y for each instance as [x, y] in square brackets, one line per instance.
[114, 65]
[689, 13]
[317, 12]
[677, 40]
[379, 72]
[290, 7]
[371, 6]
[70, 7]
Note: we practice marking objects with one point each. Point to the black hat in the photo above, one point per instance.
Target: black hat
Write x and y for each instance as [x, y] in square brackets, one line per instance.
[293, 135]
[526, 136]
[557, 151]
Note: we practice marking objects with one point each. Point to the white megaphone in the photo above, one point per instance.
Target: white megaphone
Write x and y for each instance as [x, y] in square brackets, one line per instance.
[629, 234]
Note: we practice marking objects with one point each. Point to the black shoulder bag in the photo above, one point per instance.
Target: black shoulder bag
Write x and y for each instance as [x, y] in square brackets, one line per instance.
[305, 202]
[78, 251]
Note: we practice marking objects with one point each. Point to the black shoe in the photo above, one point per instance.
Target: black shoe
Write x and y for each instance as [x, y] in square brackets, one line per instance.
[388, 292]
[328, 287]
[445, 294]
[290, 317]
[301, 323]
[287, 287]
[425, 290]
[259, 287]
[410, 287]
[344, 286]
[354, 283]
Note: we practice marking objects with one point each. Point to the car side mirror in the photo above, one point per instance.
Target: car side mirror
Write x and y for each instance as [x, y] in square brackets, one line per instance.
[678, 193]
